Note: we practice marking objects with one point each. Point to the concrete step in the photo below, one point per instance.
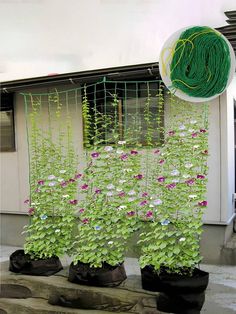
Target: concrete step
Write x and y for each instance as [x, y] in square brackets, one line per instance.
[129, 297]
[40, 306]
[228, 254]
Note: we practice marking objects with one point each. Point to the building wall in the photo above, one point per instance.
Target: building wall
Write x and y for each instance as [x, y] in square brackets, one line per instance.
[15, 189]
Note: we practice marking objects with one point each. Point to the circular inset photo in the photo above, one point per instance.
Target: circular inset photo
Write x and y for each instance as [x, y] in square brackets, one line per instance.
[197, 63]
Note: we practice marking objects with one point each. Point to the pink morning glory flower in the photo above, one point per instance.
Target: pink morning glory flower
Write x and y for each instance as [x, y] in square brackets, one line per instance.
[138, 176]
[157, 151]
[73, 202]
[84, 187]
[143, 203]
[149, 214]
[203, 203]
[124, 156]
[195, 134]
[161, 179]
[63, 184]
[190, 182]
[71, 180]
[171, 186]
[202, 130]
[121, 194]
[31, 211]
[200, 176]
[81, 210]
[26, 201]
[205, 152]
[133, 152]
[161, 161]
[171, 133]
[85, 220]
[131, 213]
[145, 194]
[41, 182]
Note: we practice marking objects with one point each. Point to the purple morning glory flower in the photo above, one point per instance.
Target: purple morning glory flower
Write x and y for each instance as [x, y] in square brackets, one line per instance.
[171, 186]
[138, 176]
[97, 191]
[200, 176]
[145, 202]
[63, 184]
[81, 210]
[161, 162]
[71, 180]
[78, 175]
[202, 130]
[41, 182]
[190, 182]
[124, 156]
[131, 213]
[73, 202]
[95, 155]
[84, 187]
[133, 152]
[161, 179]
[149, 214]
[85, 220]
[157, 151]
[205, 152]
[97, 228]
[145, 194]
[26, 201]
[195, 134]
[203, 203]
[31, 211]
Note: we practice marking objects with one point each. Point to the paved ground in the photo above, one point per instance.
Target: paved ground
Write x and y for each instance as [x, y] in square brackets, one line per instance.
[220, 295]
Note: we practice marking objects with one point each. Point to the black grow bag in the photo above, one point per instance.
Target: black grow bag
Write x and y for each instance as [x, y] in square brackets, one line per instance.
[106, 276]
[180, 293]
[22, 263]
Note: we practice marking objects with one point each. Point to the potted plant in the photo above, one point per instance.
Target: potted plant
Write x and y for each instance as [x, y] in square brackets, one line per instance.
[170, 241]
[107, 208]
[53, 190]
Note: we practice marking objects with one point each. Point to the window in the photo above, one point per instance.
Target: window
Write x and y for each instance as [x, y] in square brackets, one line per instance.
[135, 109]
[7, 135]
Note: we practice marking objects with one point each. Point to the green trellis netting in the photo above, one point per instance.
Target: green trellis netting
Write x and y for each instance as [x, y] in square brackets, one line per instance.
[132, 118]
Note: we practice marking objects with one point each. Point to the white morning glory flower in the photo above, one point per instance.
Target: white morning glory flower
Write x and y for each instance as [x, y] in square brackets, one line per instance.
[193, 121]
[151, 205]
[66, 196]
[182, 134]
[57, 230]
[132, 192]
[109, 193]
[186, 176]
[196, 146]
[188, 165]
[157, 202]
[62, 171]
[119, 190]
[110, 242]
[122, 142]
[60, 180]
[191, 130]
[51, 177]
[131, 199]
[122, 181]
[122, 207]
[182, 127]
[32, 203]
[175, 180]
[175, 172]
[108, 149]
[192, 196]
[127, 170]
[119, 151]
[165, 222]
[182, 239]
[52, 183]
[110, 187]
[43, 217]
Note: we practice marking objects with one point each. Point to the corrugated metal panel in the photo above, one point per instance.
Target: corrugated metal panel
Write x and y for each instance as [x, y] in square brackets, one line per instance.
[229, 31]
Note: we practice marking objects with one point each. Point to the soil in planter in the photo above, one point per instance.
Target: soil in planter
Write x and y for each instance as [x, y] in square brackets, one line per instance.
[22, 263]
[106, 276]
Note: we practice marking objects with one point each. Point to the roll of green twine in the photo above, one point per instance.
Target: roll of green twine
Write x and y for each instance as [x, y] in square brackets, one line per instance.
[201, 62]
